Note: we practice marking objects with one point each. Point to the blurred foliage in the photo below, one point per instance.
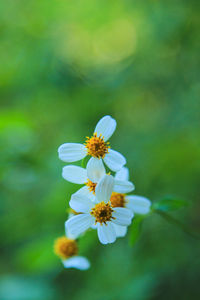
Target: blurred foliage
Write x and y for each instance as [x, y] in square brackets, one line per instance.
[65, 64]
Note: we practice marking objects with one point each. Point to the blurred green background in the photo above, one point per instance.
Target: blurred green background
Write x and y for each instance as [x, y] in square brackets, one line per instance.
[64, 65]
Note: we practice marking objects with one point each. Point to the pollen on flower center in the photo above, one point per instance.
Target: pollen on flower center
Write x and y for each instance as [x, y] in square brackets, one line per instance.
[102, 212]
[117, 200]
[64, 247]
[91, 186]
[96, 146]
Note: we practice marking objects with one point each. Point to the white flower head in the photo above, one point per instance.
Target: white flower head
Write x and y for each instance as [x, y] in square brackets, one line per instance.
[96, 146]
[90, 176]
[137, 204]
[100, 213]
[67, 249]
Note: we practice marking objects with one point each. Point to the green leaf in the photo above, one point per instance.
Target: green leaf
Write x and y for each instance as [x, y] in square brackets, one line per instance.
[169, 204]
[135, 229]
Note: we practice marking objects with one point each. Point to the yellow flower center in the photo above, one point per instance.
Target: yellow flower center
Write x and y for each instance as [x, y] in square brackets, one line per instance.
[117, 200]
[64, 247]
[96, 146]
[102, 212]
[91, 186]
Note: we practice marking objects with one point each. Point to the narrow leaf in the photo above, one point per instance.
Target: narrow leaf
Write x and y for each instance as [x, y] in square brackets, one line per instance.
[169, 204]
[135, 229]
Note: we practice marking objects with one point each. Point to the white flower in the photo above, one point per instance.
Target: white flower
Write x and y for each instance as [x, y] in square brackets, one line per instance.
[101, 212]
[137, 204]
[66, 248]
[90, 176]
[96, 146]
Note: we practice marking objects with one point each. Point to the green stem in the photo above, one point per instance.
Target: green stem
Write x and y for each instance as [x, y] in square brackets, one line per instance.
[182, 226]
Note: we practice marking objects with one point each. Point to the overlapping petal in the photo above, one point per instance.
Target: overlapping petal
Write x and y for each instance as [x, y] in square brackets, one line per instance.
[123, 186]
[79, 223]
[122, 174]
[123, 216]
[104, 188]
[85, 192]
[68, 233]
[114, 160]
[95, 169]
[138, 204]
[74, 174]
[81, 203]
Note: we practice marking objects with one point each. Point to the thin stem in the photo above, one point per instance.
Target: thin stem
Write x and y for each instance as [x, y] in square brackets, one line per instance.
[182, 226]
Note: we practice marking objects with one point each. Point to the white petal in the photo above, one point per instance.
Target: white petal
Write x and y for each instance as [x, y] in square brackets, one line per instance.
[123, 216]
[138, 204]
[78, 224]
[106, 233]
[78, 262]
[120, 230]
[114, 160]
[85, 192]
[94, 226]
[69, 235]
[123, 186]
[106, 127]
[104, 188]
[67, 231]
[74, 174]
[95, 169]
[81, 203]
[70, 152]
[122, 174]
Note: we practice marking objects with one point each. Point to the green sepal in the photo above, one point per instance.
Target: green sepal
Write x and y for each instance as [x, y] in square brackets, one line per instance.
[84, 162]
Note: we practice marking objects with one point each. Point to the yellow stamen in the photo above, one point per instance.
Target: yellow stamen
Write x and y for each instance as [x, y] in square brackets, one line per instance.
[96, 146]
[64, 247]
[102, 212]
[117, 200]
[91, 186]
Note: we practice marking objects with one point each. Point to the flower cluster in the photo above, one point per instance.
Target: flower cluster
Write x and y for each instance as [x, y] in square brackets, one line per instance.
[102, 202]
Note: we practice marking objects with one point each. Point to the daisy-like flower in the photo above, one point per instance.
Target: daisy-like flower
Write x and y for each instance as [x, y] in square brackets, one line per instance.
[100, 213]
[95, 146]
[137, 204]
[67, 249]
[90, 176]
